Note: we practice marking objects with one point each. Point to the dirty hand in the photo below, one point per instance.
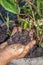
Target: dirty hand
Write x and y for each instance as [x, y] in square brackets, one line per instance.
[8, 52]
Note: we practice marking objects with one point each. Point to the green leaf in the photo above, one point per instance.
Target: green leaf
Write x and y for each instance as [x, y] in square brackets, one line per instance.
[10, 5]
[41, 1]
[39, 30]
[11, 1]
[38, 5]
[24, 24]
[7, 21]
[41, 44]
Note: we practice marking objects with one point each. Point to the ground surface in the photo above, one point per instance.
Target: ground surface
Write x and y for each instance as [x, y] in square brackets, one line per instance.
[28, 61]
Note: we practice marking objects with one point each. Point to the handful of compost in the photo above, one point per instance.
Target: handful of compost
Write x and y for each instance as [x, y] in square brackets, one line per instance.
[16, 51]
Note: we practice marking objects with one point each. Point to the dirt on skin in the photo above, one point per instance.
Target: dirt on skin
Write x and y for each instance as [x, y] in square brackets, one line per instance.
[23, 38]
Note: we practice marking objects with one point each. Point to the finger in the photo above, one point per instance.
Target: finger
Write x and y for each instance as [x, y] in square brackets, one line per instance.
[19, 29]
[3, 45]
[27, 48]
[10, 52]
[14, 31]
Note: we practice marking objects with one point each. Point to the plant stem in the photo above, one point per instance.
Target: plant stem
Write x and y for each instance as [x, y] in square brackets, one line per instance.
[33, 6]
[2, 17]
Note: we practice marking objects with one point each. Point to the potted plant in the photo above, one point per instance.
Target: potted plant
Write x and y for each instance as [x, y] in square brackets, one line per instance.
[28, 31]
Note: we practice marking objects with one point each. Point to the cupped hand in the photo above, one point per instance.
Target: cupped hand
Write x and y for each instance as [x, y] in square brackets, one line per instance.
[16, 51]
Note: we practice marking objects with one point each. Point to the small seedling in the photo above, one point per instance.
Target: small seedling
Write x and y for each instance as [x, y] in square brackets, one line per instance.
[24, 23]
[7, 24]
[41, 44]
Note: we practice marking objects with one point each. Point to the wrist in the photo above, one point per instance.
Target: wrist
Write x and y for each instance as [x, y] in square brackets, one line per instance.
[4, 57]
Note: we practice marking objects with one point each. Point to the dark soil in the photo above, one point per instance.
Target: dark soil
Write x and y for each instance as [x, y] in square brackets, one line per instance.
[3, 35]
[36, 51]
[3, 31]
[20, 37]
[23, 38]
